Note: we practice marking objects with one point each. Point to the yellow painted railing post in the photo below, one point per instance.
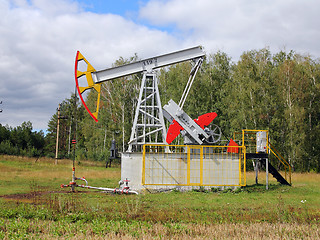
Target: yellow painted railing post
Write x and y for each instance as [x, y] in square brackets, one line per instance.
[244, 165]
[143, 164]
[240, 159]
[201, 166]
[188, 165]
[243, 138]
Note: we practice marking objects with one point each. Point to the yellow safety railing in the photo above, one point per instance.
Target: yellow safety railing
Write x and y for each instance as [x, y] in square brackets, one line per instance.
[248, 139]
[194, 165]
[285, 164]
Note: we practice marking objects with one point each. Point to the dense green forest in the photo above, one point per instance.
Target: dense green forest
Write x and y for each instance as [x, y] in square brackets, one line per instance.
[278, 92]
[21, 140]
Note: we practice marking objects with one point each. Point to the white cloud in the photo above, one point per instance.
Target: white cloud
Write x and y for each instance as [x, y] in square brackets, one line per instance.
[38, 44]
[39, 40]
[240, 25]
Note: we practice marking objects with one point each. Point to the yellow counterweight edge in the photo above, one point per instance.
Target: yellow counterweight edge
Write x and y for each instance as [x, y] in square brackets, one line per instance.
[90, 82]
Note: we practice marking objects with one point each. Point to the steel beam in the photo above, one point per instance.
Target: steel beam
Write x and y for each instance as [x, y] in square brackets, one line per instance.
[148, 64]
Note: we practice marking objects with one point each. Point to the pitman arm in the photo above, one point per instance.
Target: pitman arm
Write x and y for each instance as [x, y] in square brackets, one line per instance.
[182, 121]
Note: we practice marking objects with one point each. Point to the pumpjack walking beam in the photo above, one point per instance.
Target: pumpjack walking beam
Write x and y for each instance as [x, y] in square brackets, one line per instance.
[148, 64]
[148, 121]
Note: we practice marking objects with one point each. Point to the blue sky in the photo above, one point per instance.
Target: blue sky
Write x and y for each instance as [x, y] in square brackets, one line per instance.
[128, 9]
[120, 7]
[39, 40]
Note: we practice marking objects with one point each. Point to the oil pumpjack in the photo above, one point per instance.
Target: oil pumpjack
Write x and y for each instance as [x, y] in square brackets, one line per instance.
[149, 115]
[149, 125]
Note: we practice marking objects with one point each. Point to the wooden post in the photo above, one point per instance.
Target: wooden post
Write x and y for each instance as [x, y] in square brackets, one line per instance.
[57, 141]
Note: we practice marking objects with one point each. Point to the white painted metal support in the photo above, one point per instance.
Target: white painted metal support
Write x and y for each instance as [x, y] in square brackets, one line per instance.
[256, 169]
[267, 173]
[148, 125]
[193, 74]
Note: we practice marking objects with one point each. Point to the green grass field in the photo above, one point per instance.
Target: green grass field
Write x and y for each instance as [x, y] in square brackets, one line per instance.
[33, 206]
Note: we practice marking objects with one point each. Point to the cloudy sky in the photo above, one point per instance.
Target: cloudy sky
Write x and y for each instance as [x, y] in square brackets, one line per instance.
[39, 40]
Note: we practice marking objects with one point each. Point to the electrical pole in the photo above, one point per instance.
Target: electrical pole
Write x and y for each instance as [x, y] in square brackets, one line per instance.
[57, 141]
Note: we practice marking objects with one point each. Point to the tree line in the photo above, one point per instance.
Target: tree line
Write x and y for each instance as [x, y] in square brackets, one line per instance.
[22, 140]
[277, 92]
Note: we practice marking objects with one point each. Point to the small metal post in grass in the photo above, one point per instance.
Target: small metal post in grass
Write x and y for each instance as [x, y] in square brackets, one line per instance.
[256, 168]
[73, 165]
[74, 141]
[267, 173]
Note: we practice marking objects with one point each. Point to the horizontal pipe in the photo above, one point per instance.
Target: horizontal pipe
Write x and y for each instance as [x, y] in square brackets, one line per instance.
[113, 190]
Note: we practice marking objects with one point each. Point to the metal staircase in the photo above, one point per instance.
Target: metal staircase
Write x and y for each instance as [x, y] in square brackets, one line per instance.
[274, 172]
[262, 150]
[286, 180]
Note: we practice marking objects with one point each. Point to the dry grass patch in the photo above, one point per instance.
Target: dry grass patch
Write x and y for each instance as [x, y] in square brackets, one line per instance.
[123, 230]
[306, 177]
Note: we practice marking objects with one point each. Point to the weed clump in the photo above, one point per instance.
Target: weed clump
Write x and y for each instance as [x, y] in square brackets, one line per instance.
[214, 189]
[227, 190]
[237, 190]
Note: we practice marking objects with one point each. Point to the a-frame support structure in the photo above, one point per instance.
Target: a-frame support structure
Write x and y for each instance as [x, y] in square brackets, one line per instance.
[148, 125]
